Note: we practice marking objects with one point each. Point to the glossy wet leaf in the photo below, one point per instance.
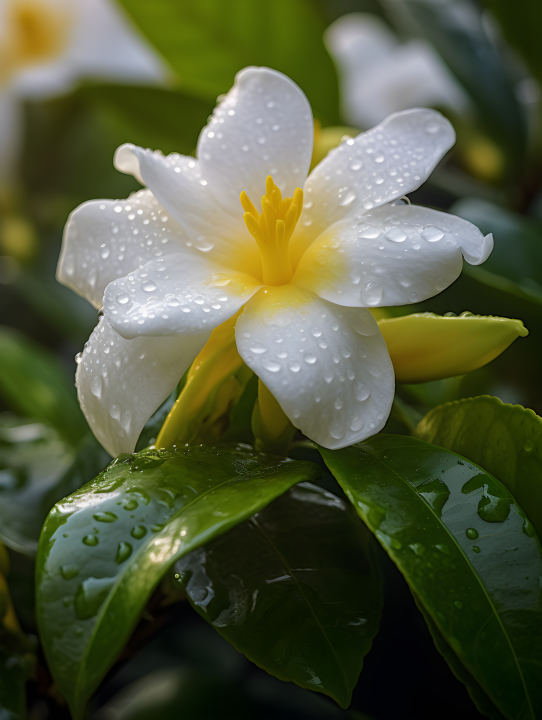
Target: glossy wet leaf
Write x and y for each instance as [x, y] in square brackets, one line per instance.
[506, 440]
[456, 31]
[104, 549]
[479, 697]
[37, 468]
[515, 265]
[468, 552]
[296, 588]
[207, 42]
[34, 384]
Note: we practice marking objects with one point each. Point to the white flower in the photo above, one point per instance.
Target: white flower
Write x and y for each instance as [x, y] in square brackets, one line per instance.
[177, 260]
[47, 45]
[380, 76]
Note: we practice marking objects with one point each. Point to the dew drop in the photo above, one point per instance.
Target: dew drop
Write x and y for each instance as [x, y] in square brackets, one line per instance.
[432, 233]
[395, 235]
[122, 299]
[369, 232]
[348, 200]
[124, 551]
[431, 128]
[104, 252]
[378, 158]
[91, 540]
[106, 517]
[96, 386]
[139, 532]
[258, 348]
[294, 366]
[355, 423]
[361, 392]
[271, 365]
[336, 430]
[148, 286]
[472, 533]
[69, 571]
[309, 358]
[338, 403]
[371, 293]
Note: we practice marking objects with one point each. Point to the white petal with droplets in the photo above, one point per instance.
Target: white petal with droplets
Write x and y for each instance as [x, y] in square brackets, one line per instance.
[376, 167]
[262, 127]
[105, 239]
[395, 255]
[328, 366]
[180, 185]
[120, 383]
[182, 293]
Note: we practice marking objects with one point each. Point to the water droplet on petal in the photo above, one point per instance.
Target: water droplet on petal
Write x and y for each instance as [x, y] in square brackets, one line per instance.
[309, 358]
[361, 392]
[104, 252]
[271, 365]
[148, 286]
[122, 299]
[348, 200]
[355, 423]
[336, 430]
[96, 386]
[472, 533]
[432, 233]
[371, 293]
[395, 235]
[258, 348]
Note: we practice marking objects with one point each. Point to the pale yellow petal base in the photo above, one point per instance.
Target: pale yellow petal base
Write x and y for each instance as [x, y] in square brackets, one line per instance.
[425, 347]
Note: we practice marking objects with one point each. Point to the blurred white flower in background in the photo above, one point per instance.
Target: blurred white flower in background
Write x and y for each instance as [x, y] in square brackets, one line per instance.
[380, 75]
[46, 46]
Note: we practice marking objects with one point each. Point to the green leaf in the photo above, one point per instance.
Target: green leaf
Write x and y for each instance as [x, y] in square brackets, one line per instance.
[104, 549]
[36, 470]
[479, 697]
[12, 685]
[515, 264]
[506, 440]
[466, 549]
[208, 42]
[456, 31]
[33, 384]
[297, 589]
[521, 29]
[168, 120]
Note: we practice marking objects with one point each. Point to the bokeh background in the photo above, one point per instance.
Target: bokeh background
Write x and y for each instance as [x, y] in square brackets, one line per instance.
[80, 77]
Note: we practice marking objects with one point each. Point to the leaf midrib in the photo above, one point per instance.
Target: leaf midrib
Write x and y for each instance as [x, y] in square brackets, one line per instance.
[505, 633]
[293, 576]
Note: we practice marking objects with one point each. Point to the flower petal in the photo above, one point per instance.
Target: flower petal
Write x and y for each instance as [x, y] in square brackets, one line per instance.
[262, 127]
[327, 366]
[378, 166]
[397, 254]
[179, 184]
[106, 239]
[120, 383]
[425, 347]
[379, 77]
[184, 294]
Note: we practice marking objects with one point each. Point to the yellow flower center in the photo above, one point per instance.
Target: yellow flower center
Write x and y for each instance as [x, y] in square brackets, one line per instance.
[272, 230]
[35, 31]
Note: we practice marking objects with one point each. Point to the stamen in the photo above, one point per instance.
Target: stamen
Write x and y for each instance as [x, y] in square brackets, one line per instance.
[272, 229]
